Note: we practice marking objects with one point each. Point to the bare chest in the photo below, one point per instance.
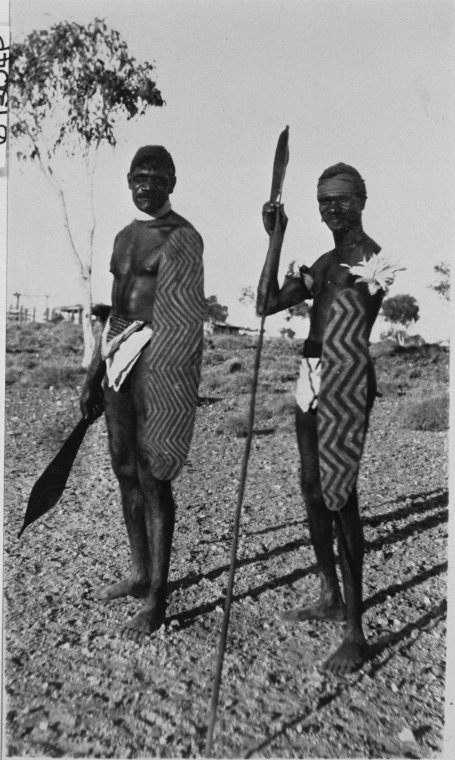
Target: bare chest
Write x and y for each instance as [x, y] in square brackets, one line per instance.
[139, 254]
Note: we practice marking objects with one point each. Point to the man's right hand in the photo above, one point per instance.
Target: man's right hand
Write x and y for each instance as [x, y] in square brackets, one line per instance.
[269, 212]
[91, 402]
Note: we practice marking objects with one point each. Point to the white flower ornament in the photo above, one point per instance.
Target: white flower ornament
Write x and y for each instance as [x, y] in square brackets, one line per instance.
[378, 272]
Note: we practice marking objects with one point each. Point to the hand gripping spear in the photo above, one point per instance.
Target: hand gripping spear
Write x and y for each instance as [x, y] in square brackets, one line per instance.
[279, 170]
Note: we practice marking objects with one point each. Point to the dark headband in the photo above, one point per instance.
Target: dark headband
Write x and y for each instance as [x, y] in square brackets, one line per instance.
[349, 175]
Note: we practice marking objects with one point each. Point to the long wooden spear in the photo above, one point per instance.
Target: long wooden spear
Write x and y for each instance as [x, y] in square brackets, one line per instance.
[279, 170]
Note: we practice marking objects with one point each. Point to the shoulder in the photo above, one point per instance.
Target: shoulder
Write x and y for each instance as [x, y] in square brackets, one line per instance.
[125, 233]
[322, 262]
[369, 246]
[183, 231]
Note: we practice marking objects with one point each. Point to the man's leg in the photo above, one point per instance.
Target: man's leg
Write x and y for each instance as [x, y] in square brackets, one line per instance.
[157, 504]
[330, 605]
[121, 425]
[159, 519]
[353, 648]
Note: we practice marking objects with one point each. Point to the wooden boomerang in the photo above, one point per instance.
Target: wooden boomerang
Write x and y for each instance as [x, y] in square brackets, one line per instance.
[50, 485]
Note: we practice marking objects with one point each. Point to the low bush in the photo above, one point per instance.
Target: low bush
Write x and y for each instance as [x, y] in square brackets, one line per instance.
[235, 424]
[57, 374]
[430, 414]
[45, 337]
[12, 375]
[231, 344]
[235, 364]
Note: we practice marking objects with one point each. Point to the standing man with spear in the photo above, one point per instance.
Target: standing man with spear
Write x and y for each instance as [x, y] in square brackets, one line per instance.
[335, 392]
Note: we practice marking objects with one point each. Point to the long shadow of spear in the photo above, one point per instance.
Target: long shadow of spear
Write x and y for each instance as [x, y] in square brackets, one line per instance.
[279, 170]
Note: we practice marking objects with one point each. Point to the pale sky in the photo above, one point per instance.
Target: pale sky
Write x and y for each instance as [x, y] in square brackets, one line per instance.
[366, 82]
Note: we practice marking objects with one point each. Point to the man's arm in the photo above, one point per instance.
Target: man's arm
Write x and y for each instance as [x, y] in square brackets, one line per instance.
[294, 289]
[91, 401]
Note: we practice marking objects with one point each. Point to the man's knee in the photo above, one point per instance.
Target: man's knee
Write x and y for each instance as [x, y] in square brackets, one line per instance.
[145, 469]
[123, 458]
[124, 468]
[311, 491]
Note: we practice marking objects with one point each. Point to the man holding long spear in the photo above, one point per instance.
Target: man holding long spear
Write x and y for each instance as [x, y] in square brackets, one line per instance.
[335, 392]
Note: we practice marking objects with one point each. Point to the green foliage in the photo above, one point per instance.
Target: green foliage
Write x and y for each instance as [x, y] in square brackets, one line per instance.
[442, 286]
[402, 309]
[214, 310]
[73, 82]
[430, 414]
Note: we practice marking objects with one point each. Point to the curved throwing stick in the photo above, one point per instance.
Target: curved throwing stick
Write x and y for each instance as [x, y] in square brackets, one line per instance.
[50, 485]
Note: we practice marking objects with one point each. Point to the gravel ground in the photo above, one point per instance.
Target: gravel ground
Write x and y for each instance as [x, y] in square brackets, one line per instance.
[76, 688]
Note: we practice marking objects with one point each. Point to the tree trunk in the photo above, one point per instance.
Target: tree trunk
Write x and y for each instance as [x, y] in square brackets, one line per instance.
[87, 331]
[84, 268]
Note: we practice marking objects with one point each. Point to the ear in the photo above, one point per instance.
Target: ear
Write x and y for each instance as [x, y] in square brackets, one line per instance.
[128, 176]
[172, 182]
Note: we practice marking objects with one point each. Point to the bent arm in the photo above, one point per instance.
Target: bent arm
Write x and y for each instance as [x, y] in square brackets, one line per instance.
[270, 297]
[91, 399]
[292, 292]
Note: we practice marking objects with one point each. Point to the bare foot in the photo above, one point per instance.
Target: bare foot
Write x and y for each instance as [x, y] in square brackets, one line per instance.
[147, 621]
[128, 587]
[349, 656]
[321, 610]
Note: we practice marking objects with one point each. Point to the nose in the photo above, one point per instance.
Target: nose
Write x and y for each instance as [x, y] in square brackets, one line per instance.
[334, 206]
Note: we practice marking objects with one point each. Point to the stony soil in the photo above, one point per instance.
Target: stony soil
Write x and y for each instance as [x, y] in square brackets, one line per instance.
[76, 688]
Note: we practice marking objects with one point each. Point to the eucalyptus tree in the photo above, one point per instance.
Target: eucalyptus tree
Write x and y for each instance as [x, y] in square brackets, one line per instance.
[401, 309]
[70, 87]
[442, 285]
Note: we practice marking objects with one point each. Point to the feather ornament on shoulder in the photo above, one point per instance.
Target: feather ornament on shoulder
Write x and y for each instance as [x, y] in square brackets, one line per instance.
[378, 272]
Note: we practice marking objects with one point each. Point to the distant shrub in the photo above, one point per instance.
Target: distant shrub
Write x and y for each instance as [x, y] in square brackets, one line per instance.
[240, 382]
[235, 364]
[430, 414]
[57, 374]
[232, 343]
[235, 424]
[44, 338]
[213, 356]
[212, 379]
[285, 405]
[12, 375]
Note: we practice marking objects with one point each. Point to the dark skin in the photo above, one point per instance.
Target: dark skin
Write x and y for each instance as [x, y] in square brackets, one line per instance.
[342, 213]
[148, 503]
